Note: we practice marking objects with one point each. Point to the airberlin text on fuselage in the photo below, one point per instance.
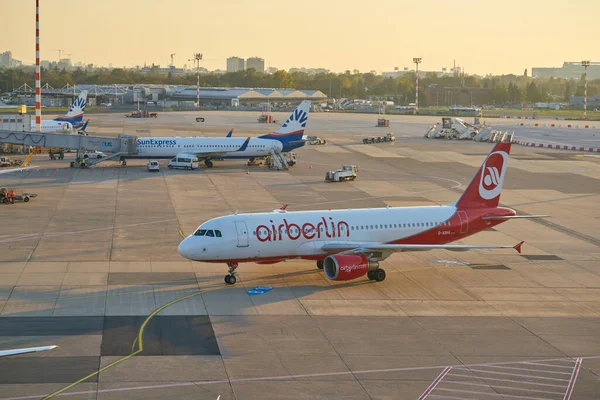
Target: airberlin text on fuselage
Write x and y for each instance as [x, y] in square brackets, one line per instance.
[308, 230]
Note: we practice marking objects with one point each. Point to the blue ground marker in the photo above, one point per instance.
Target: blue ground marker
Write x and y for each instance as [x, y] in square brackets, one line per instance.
[259, 290]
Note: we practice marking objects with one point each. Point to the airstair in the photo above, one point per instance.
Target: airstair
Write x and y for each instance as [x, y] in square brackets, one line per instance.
[279, 162]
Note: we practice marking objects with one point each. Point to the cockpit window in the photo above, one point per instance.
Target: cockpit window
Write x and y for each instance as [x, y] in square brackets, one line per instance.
[210, 233]
[218, 233]
[200, 232]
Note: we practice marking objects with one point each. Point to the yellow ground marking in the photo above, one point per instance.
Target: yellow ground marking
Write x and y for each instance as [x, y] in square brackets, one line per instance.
[139, 340]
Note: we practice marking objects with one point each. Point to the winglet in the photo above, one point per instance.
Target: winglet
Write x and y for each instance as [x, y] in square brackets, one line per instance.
[245, 145]
[284, 207]
[230, 133]
[517, 247]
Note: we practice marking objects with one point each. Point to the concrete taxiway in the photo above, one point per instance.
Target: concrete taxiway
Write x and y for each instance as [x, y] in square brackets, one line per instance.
[91, 265]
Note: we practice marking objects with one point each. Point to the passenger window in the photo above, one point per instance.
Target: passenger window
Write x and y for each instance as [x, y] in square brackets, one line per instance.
[210, 233]
[200, 232]
[218, 233]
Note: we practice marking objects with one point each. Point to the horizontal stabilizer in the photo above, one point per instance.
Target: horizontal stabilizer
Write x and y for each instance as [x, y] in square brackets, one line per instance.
[362, 248]
[502, 218]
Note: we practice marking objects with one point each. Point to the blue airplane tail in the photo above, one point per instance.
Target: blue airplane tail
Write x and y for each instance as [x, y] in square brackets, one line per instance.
[291, 133]
[75, 113]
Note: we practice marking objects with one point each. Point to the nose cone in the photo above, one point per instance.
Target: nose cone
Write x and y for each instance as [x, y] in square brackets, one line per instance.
[186, 248]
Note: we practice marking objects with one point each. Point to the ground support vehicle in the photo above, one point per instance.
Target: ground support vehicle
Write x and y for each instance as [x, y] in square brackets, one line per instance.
[347, 173]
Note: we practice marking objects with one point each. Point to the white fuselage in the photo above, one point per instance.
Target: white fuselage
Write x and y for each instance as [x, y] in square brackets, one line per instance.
[167, 147]
[50, 126]
[281, 235]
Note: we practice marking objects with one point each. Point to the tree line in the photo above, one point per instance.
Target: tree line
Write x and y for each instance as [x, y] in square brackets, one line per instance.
[507, 89]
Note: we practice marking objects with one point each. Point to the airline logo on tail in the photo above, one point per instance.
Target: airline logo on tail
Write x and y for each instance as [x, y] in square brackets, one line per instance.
[492, 175]
[486, 186]
[296, 122]
[299, 116]
[75, 113]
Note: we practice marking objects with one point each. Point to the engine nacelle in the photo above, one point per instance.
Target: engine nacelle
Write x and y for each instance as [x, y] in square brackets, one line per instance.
[345, 267]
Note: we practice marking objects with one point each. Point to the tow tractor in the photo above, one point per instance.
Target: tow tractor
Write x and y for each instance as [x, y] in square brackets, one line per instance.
[347, 173]
[380, 139]
[7, 162]
[56, 153]
[315, 140]
[141, 114]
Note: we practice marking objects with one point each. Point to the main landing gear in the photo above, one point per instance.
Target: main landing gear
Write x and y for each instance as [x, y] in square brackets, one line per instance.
[208, 163]
[376, 275]
[230, 278]
[320, 264]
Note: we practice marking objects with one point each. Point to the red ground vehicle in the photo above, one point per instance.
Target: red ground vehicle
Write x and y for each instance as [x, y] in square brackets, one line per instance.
[7, 196]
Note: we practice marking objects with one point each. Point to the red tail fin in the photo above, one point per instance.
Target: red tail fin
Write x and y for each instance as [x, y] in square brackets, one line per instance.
[485, 188]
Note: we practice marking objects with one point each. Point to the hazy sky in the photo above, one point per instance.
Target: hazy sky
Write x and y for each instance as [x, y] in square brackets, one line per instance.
[483, 36]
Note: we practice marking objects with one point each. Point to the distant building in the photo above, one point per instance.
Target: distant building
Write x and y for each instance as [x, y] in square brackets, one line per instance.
[235, 64]
[7, 60]
[577, 101]
[569, 70]
[436, 95]
[64, 63]
[256, 63]
[271, 70]
[397, 73]
[309, 71]
[164, 71]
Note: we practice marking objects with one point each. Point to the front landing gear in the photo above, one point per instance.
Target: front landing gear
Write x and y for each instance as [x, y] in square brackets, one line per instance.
[230, 278]
[376, 275]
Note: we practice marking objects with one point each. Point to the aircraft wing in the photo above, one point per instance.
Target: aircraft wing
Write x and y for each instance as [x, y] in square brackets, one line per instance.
[8, 171]
[4, 353]
[365, 248]
[207, 154]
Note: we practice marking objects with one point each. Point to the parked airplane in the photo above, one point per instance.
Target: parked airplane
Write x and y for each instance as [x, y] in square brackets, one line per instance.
[349, 244]
[23, 167]
[4, 353]
[287, 138]
[72, 120]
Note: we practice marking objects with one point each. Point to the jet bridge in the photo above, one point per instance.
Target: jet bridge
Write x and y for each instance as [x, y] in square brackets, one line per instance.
[119, 146]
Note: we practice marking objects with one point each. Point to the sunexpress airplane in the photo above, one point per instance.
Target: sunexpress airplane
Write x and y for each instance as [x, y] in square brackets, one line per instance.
[287, 138]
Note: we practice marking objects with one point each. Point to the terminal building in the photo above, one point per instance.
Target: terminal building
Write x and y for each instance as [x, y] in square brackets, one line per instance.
[165, 95]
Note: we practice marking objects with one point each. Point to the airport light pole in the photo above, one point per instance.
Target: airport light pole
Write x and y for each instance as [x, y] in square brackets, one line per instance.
[417, 61]
[38, 83]
[196, 59]
[585, 65]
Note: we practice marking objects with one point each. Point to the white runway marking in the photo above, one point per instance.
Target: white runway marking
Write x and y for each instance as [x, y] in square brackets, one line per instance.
[510, 385]
[577, 362]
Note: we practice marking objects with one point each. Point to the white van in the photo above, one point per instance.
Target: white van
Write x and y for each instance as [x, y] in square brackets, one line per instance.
[185, 161]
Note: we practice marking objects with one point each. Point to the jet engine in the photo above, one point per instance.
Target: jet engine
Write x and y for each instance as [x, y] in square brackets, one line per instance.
[345, 267]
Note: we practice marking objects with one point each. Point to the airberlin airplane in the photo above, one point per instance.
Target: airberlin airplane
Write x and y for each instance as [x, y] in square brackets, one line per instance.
[349, 244]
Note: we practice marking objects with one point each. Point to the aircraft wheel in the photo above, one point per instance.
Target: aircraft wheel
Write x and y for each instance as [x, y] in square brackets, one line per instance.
[379, 274]
[208, 163]
[371, 275]
[320, 264]
[230, 279]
